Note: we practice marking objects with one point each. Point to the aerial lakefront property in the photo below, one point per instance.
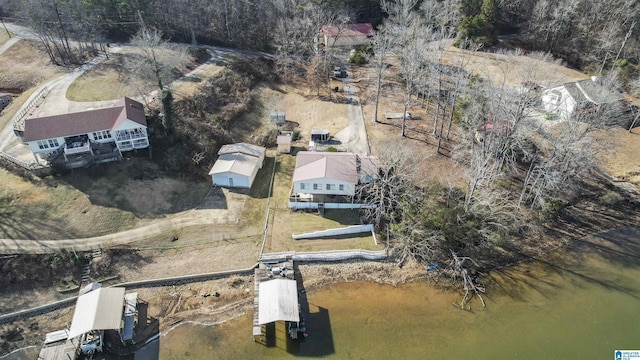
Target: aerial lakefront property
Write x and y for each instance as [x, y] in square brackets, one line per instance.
[334, 180]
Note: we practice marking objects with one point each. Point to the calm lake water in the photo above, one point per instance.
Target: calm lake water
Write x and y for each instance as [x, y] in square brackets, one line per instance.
[579, 307]
[582, 307]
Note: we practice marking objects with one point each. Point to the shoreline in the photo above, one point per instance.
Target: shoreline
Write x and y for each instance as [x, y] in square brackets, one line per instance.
[196, 303]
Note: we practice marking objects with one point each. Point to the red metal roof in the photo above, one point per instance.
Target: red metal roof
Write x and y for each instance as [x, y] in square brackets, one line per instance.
[364, 29]
[84, 122]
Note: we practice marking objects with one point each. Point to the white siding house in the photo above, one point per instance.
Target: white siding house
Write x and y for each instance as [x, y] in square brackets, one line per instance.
[572, 98]
[122, 127]
[237, 165]
[330, 177]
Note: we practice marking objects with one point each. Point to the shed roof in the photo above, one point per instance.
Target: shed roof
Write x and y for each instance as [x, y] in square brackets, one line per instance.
[236, 163]
[334, 165]
[363, 29]
[278, 301]
[242, 148]
[597, 93]
[84, 122]
[100, 309]
[284, 139]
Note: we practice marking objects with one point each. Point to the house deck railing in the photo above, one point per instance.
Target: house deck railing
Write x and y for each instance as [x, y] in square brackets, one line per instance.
[78, 148]
[120, 137]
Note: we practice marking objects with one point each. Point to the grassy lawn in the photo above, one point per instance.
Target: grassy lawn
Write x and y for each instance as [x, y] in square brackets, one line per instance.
[104, 82]
[54, 210]
[256, 204]
[284, 222]
[4, 37]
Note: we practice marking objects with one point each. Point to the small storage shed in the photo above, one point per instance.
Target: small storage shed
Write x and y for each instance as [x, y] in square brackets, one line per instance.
[284, 143]
[320, 135]
[237, 165]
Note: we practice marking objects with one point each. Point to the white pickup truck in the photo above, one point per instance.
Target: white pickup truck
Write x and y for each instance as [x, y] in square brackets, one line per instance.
[339, 72]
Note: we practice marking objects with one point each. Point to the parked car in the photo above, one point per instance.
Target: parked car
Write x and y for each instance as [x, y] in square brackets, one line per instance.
[337, 71]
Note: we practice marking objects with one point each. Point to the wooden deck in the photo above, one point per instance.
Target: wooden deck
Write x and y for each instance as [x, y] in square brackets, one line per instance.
[59, 351]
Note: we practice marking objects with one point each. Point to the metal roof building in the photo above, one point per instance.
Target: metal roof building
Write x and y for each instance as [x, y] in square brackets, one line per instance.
[237, 165]
[278, 301]
[100, 309]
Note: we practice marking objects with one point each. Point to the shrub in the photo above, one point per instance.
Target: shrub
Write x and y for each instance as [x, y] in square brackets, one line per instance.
[295, 135]
[331, 149]
[611, 198]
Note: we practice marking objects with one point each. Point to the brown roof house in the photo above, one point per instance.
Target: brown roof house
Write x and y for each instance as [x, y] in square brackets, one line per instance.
[80, 138]
[237, 165]
[330, 179]
[577, 97]
[346, 34]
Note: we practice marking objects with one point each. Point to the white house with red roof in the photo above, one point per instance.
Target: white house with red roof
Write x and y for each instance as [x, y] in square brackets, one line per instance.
[330, 178]
[121, 127]
[346, 34]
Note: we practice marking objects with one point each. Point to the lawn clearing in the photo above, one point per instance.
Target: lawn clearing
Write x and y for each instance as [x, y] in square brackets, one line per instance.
[104, 82]
[622, 161]
[4, 37]
[24, 65]
[308, 113]
[283, 222]
[54, 210]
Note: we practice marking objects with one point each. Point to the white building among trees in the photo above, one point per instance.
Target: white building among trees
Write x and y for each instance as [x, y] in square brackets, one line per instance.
[577, 97]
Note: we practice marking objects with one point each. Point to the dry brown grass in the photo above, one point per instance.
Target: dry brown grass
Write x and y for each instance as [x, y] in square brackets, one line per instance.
[25, 65]
[512, 69]
[55, 210]
[306, 110]
[3, 36]
[104, 82]
[623, 161]
[111, 79]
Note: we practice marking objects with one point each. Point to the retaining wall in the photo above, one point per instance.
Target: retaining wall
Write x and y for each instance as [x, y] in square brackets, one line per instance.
[355, 229]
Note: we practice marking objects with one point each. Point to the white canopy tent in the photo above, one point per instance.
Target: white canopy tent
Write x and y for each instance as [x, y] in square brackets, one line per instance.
[100, 309]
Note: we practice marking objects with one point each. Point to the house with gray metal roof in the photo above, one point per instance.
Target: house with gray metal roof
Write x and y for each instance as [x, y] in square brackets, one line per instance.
[237, 165]
[577, 97]
[330, 178]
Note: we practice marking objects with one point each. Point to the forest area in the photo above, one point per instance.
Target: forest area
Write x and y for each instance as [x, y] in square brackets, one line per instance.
[518, 174]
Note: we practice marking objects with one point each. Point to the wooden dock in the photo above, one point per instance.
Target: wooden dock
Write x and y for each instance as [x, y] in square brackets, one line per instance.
[63, 350]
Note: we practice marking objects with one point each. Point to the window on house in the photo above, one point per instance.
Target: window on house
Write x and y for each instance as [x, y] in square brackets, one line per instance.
[53, 143]
[42, 144]
[331, 186]
[316, 186]
[341, 187]
[303, 186]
